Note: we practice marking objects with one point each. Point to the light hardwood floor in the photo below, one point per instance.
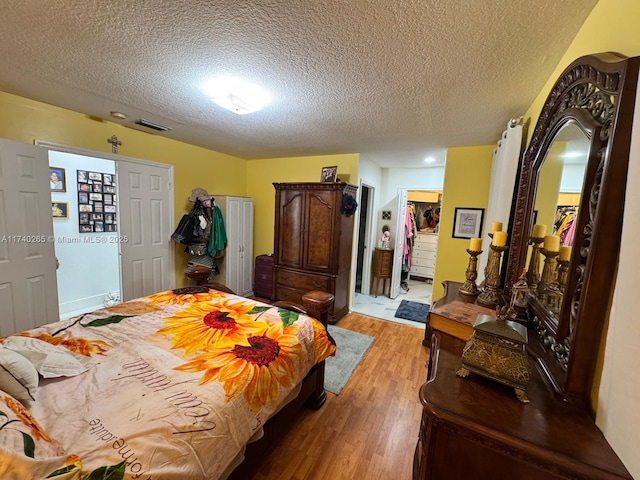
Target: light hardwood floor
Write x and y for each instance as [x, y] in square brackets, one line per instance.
[370, 430]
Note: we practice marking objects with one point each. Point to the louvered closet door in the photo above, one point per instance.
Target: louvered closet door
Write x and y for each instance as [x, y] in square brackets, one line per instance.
[145, 202]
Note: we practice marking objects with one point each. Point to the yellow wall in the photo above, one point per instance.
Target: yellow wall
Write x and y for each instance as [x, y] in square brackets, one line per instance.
[461, 189]
[611, 27]
[261, 174]
[26, 120]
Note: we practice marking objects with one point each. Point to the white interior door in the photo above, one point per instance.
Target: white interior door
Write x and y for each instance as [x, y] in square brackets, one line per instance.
[145, 202]
[246, 267]
[28, 287]
[399, 243]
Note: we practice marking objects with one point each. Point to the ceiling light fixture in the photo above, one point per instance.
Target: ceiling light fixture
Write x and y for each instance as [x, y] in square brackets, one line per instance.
[237, 96]
[118, 115]
[429, 160]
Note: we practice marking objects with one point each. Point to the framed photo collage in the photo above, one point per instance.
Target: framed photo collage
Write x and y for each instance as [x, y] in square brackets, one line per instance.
[96, 202]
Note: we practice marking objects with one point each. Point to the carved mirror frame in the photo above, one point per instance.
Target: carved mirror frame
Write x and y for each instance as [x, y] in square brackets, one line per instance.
[597, 93]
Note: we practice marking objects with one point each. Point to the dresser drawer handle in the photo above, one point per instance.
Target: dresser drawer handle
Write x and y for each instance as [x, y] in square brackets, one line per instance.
[318, 284]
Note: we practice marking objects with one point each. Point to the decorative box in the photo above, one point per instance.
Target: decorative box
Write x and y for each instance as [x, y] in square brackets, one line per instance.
[496, 350]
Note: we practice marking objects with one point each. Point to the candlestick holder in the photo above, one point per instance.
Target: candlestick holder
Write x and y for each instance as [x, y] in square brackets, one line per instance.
[563, 272]
[486, 272]
[548, 272]
[492, 294]
[533, 273]
[470, 289]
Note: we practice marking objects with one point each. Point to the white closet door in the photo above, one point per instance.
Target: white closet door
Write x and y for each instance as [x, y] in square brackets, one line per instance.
[28, 285]
[145, 202]
[234, 239]
[246, 258]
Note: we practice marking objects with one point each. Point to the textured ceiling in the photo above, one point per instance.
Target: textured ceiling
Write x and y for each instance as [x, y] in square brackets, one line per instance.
[392, 80]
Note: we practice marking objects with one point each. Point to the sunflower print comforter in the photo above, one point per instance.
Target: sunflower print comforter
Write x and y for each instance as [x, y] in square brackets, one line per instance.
[179, 383]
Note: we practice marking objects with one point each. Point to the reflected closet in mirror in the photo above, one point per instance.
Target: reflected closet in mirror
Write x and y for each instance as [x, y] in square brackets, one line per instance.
[582, 138]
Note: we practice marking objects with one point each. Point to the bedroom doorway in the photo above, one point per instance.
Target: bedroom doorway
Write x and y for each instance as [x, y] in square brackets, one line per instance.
[364, 232]
[144, 220]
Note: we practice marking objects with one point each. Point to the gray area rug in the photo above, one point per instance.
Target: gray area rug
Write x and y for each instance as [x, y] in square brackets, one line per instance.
[350, 350]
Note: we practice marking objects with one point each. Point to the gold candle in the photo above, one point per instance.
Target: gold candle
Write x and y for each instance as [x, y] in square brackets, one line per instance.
[495, 227]
[539, 231]
[475, 244]
[499, 239]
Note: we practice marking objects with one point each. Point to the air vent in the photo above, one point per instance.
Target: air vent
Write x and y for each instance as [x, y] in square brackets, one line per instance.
[153, 126]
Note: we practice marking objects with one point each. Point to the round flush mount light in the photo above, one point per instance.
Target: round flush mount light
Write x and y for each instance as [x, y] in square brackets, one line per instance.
[118, 115]
[236, 95]
[429, 160]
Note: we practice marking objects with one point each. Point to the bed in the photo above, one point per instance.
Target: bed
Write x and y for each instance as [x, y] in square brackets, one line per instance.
[174, 385]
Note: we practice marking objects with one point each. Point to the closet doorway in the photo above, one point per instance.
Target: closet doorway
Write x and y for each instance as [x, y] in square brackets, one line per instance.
[364, 234]
[122, 253]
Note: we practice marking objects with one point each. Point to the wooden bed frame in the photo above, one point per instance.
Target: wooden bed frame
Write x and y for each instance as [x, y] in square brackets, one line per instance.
[318, 305]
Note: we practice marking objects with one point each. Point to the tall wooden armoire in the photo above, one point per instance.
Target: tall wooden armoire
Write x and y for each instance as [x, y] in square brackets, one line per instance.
[312, 245]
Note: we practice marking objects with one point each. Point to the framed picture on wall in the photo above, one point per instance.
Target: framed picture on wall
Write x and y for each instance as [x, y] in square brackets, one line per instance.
[467, 222]
[60, 209]
[57, 179]
[329, 174]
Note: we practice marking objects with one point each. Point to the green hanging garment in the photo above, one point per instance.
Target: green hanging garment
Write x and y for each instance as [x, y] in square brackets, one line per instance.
[218, 237]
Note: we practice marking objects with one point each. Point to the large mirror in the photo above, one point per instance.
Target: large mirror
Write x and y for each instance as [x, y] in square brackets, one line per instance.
[580, 144]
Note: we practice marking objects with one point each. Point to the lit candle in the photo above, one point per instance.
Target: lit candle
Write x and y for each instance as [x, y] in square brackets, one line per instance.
[552, 243]
[539, 231]
[499, 239]
[475, 244]
[565, 253]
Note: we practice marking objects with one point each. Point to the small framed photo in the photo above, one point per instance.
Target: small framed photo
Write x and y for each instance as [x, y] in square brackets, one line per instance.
[60, 209]
[95, 176]
[85, 208]
[329, 174]
[107, 179]
[86, 228]
[467, 222]
[84, 187]
[110, 227]
[57, 179]
[83, 197]
[84, 217]
[107, 198]
[109, 188]
[98, 227]
[96, 197]
[97, 187]
[110, 208]
[97, 207]
[97, 217]
[83, 176]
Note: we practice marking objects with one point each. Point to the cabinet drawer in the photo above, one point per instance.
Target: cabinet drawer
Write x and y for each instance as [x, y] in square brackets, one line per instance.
[422, 238]
[423, 262]
[422, 271]
[302, 281]
[424, 254]
[289, 294]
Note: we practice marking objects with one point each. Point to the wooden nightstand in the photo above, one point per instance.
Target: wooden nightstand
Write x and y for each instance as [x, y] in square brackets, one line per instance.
[381, 268]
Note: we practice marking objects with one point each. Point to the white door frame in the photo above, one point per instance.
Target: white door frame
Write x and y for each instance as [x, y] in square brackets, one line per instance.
[369, 240]
[120, 158]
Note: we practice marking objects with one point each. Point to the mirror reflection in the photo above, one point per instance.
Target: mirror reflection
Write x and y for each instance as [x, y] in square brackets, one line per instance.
[557, 201]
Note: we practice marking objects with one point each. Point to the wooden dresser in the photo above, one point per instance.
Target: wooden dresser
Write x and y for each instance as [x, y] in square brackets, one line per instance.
[381, 269]
[476, 428]
[312, 244]
[423, 255]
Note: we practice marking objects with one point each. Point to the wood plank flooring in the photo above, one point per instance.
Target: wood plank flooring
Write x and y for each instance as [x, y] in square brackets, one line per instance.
[370, 430]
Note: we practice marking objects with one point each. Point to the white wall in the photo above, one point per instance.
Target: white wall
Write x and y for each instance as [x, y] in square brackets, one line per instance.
[89, 262]
[428, 178]
[618, 414]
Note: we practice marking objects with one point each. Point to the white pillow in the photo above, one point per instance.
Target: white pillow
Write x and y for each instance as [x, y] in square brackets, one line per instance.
[49, 360]
[18, 376]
